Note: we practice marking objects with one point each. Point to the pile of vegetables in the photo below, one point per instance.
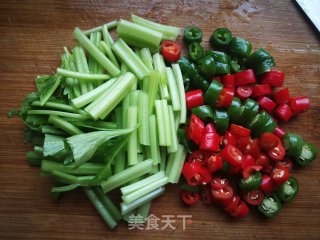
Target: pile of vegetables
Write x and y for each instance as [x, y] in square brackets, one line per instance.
[238, 155]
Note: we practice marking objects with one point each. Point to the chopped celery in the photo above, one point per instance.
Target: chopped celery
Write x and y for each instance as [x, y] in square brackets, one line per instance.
[163, 158]
[125, 106]
[109, 25]
[175, 100]
[119, 162]
[82, 67]
[154, 146]
[106, 35]
[83, 76]
[58, 113]
[174, 139]
[138, 36]
[124, 68]
[168, 32]
[160, 123]
[159, 66]
[46, 86]
[56, 105]
[94, 66]
[71, 179]
[125, 53]
[175, 164]
[64, 125]
[146, 58]
[166, 123]
[143, 119]
[84, 169]
[144, 210]
[107, 49]
[132, 143]
[179, 82]
[127, 175]
[153, 83]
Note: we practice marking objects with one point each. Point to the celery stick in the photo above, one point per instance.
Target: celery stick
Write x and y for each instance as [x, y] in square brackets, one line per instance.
[174, 139]
[92, 95]
[83, 76]
[109, 26]
[144, 190]
[96, 53]
[95, 38]
[71, 179]
[168, 32]
[97, 203]
[125, 53]
[56, 105]
[85, 68]
[163, 157]
[125, 208]
[124, 68]
[127, 175]
[77, 52]
[154, 146]
[155, 169]
[126, 217]
[179, 82]
[158, 65]
[107, 49]
[58, 113]
[160, 123]
[175, 99]
[134, 98]
[143, 119]
[153, 83]
[125, 106]
[146, 57]
[132, 143]
[137, 35]
[175, 164]
[166, 124]
[144, 210]
[106, 35]
[84, 169]
[142, 183]
[64, 125]
[119, 162]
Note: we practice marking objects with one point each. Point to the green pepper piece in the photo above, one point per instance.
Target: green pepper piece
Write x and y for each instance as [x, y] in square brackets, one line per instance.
[236, 64]
[226, 167]
[288, 190]
[212, 94]
[308, 154]
[192, 34]
[270, 205]
[293, 144]
[269, 126]
[235, 110]
[207, 66]
[204, 112]
[259, 121]
[218, 56]
[240, 47]
[183, 139]
[221, 37]
[196, 51]
[264, 66]
[258, 57]
[222, 68]
[250, 110]
[187, 68]
[186, 83]
[251, 183]
[221, 120]
[199, 82]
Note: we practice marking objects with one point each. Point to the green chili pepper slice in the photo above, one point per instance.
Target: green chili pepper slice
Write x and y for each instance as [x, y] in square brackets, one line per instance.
[270, 205]
[240, 47]
[226, 167]
[269, 126]
[192, 34]
[259, 121]
[212, 94]
[293, 144]
[221, 37]
[308, 154]
[264, 66]
[218, 56]
[207, 66]
[221, 120]
[258, 56]
[196, 51]
[235, 110]
[288, 190]
[204, 112]
[251, 183]
[250, 110]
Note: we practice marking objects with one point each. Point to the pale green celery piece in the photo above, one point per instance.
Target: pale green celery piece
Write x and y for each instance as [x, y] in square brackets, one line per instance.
[155, 169]
[126, 217]
[137, 35]
[159, 66]
[95, 38]
[154, 150]
[85, 68]
[106, 35]
[56, 105]
[144, 190]
[107, 49]
[144, 210]
[143, 119]
[124, 68]
[120, 161]
[64, 188]
[175, 164]
[126, 208]
[125, 106]
[173, 132]
[161, 123]
[97, 125]
[182, 96]
[46, 86]
[166, 119]
[96, 53]
[52, 130]
[142, 183]
[134, 98]
[83, 76]
[127, 175]
[71, 179]
[78, 53]
[175, 99]
[146, 58]
[168, 32]
[84, 169]
[132, 143]
[64, 125]
[58, 113]
[163, 157]
[52, 145]
[153, 84]
[92, 95]
[109, 25]
[125, 53]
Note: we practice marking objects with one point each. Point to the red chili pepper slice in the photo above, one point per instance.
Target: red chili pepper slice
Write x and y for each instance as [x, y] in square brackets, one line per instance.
[243, 92]
[245, 77]
[210, 142]
[279, 132]
[205, 175]
[229, 81]
[194, 98]
[268, 141]
[286, 163]
[284, 112]
[247, 172]
[192, 172]
[229, 138]
[274, 78]
[277, 153]
[254, 197]
[233, 205]
[267, 184]
[279, 175]
[261, 90]
[218, 183]
[170, 51]
[196, 128]
[254, 148]
[199, 156]
[240, 131]
[209, 128]
[214, 163]
[243, 143]
[205, 195]
[242, 210]
[282, 96]
[267, 104]
[223, 195]
[233, 169]
[264, 161]
[232, 155]
[225, 98]
[248, 160]
[299, 104]
[188, 197]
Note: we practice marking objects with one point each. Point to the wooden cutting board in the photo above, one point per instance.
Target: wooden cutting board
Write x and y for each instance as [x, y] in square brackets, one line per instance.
[32, 36]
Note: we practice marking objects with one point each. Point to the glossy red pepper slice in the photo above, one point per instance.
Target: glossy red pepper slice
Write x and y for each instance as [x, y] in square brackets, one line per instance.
[243, 92]
[279, 132]
[205, 175]
[274, 78]
[268, 141]
[223, 195]
[199, 156]
[261, 90]
[244, 143]
[254, 197]
[280, 175]
[267, 184]
[241, 210]
[170, 51]
[282, 96]
[247, 172]
[214, 163]
[229, 138]
[196, 128]
[267, 104]
[254, 148]
[209, 128]
[239, 131]
[233, 205]
[277, 153]
[188, 197]
[205, 195]
[248, 160]
[194, 98]
[229, 81]
[210, 142]
[286, 163]
[284, 112]
[232, 155]
[264, 161]
[192, 172]
[218, 183]
[245, 77]
[225, 98]
[299, 104]
[234, 170]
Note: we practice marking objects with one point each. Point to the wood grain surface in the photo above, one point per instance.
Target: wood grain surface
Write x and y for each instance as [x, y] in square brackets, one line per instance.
[32, 36]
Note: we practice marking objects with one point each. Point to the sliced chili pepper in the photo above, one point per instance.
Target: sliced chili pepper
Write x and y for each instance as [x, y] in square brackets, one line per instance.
[205, 195]
[241, 210]
[259, 121]
[182, 135]
[286, 163]
[264, 66]
[226, 167]
[196, 128]
[253, 149]
[254, 197]
[279, 132]
[266, 104]
[218, 183]
[207, 66]
[214, 163]
[264, 161]
[268, 141]
[282, 96]
[277, 153]
[261, 90]
[274, 78]
[223, 195]
[209, 128]
[299, 104]
[199, 156]
[218, 56]
[269, 126]
[192, 34]
[235, 110]
[250, 110]
[248, 171]
[236, 65]
[293, 144]
[280, 175]
[243, 92]
[188, 197]
[229, 81]
[270, 205]
[232, 155]
[245, 77]
[194, 98]
[192, 173]
[212, 94]
[243, 143]
[284, 112]
[210, 142]
[196, 51]
[239, 131]
[240, 47]
[267, 184]
[225, 98]
[234, 170]
[251, 183]
[217, 78]
[308, 154]
[221, 37]
[258, 57]
[220, 120]
[248, 161]
[288, 190]
[170, 51]
[233, 205]
[205, 176]
[228, 138]
[203, 112]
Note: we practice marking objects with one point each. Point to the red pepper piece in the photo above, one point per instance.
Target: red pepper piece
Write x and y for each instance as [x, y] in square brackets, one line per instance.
[196, 128]
[205, 195]
[199, 156]
[223, 195]
[254, 197]
[279, 175]
[243, 143]
[229, 138]
[209, 128]
[277, 153]
[264, 161]
[232, 155]
[217, 78]
[233, 205]
[253, 148]
[247, 172]
[194, 98]
[239, 131]
[261, 90]
[242, 210]
[284, 112]
[286, 163]
[225, 98]
[243, 92]
[210, 142]
[233, 169]
[205, 175]
[192, 172]
[299, 104]
[229, 81]
[267, 184]
[245, 77]
[170, 51]
[282, 96]
[266, 104]
[188, 197]
[274, 78]
[219, 183]
[268, 141]
[214, 163]
[279, 132]
[248, 160]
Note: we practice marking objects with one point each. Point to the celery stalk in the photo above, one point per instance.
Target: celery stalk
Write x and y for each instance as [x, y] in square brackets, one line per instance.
[153, 83]
[124, 68]
[144, 210]
[132, 143]
[83, 76]
[174, 139]
[109, 26]
[78, 55]
[58, 113]
[163, 158]
[154, 146]
[166, 130]
[146, 58]
[175, 99]
[143, 119]
[107, 49]
[160, 123]
[158, 65]
[106, 35]
[64, 125]
[182, 96]
[84, 169]
[175, 164]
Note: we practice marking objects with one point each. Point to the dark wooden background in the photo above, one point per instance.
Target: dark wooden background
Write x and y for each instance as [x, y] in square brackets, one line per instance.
[32, 36]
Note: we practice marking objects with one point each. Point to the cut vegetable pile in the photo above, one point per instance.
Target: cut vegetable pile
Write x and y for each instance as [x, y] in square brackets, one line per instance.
[115, 116]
